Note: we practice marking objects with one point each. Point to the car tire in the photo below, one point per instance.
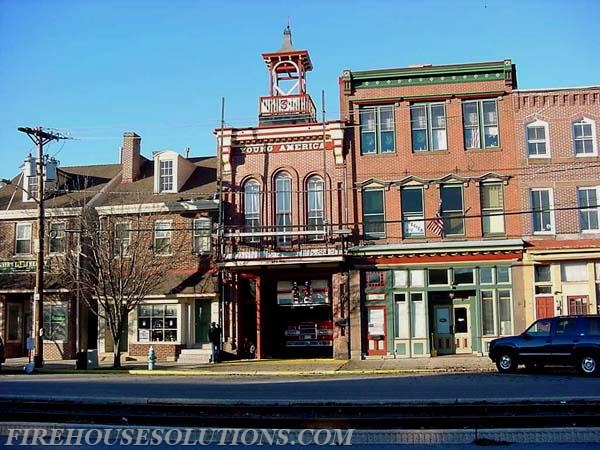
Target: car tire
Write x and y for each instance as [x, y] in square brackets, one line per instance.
[506, 362]
[588, 364]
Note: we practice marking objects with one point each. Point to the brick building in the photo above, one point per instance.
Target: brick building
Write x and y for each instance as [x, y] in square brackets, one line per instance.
[283, 235]
[432, 151]
[170, 198]
[557, 148]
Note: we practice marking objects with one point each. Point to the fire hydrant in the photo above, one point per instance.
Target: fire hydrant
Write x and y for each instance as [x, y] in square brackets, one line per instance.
[151, 358]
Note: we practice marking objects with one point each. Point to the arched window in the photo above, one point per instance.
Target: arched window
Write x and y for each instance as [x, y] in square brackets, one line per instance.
[252, 208]
[314, 204]
[283, 207]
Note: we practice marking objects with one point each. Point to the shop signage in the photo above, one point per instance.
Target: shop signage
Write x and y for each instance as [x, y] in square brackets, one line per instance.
[17, 265]
[285, 147]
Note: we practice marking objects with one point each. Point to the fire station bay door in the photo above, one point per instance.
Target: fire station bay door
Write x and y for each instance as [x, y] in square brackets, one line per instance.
[376, 335]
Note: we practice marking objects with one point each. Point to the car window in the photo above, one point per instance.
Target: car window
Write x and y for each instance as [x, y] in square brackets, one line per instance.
[591, 326]
[540, 328]
[566, 327]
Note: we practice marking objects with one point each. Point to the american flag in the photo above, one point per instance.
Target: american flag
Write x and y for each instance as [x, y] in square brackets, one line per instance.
[474, 143]
[436, 225]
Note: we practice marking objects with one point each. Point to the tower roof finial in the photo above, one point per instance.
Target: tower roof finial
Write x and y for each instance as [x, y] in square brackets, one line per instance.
[287, 39]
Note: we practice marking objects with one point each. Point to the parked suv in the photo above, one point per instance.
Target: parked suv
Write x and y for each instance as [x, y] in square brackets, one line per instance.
[564, 340]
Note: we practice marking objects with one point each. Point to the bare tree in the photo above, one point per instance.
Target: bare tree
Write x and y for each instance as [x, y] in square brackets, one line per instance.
[118, 263]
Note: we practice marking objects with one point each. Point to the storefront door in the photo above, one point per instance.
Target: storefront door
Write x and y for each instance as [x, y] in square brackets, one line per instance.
[15, 330]
[377, 335]
[462, 329]
[202, 321]
[442, 336]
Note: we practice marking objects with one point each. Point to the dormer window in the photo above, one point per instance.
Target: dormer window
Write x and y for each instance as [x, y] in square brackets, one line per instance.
[165, 182]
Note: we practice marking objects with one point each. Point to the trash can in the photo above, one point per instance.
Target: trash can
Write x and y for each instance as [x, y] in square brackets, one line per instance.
[81, 360]
[92, 359]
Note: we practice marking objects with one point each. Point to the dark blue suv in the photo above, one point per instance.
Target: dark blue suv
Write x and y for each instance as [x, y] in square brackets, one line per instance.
[563, 341]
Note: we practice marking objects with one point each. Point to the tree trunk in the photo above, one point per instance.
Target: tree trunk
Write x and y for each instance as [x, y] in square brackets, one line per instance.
[117, 353]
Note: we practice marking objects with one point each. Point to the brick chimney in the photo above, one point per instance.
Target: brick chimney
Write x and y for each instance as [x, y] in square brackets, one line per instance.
[131, 160]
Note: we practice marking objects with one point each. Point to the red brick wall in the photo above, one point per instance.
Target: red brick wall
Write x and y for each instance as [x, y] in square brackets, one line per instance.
[435, 165]
[562, 171]
[164, 352]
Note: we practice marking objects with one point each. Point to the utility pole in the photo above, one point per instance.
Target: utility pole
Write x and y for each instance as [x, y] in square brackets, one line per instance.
[40, 138]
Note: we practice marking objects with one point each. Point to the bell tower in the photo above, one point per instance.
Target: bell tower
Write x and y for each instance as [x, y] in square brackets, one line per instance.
[288, 101]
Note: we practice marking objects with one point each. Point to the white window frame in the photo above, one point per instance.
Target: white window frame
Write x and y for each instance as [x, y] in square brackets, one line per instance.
[413, 222]
[166, 175]
[252, 209]
[283, 207]
[546, 141]
[428, 126]
[201, 241]
[163, 231]
[590, 211]
[376, 127]
[315, 214]
[550, 193]
[492, 216]
[26, 237]
[592, 123]
[121, 244]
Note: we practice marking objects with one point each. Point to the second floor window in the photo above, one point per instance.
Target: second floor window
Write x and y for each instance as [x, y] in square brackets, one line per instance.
[541, 210]
[202, 229]
[314, 200]
[584, 137]
[428, 123]
[377, 130]
[283, 207]
[492, 208]
[373, 214]
[252, 208]
[57, 237]
[23, 239]
[587, 199]
[453, 210]
[122, 239]
[166, 176]
[480, 124]
[537, 139]
[162, 237]
[413, 216]
[32, 187]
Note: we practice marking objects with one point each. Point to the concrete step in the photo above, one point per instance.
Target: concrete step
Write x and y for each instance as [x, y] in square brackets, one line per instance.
[194, 355]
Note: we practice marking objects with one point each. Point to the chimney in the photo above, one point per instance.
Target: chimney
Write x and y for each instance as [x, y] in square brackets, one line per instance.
[130, 157]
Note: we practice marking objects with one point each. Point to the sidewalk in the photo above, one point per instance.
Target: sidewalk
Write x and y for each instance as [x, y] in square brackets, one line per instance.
[271, 367]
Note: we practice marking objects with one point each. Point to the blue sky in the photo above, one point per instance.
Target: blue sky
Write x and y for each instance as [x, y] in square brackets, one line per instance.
[96, 69]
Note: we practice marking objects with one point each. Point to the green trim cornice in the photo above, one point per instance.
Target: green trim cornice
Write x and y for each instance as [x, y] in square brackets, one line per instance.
[427, 75]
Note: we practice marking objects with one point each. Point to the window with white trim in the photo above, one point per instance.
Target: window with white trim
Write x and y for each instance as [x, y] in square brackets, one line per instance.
[587, 199]
[480, 124]
[373, 213]
[157, 323]
[162, 237]
[201, 235]
[542, 211]
[413, 214]
[252, 209]
[165, 181]
[542, 279]
[58, 237]
[453, 209]
[314, 204]
[492, 208]
[377, 133]
[584, 137]
[23, 238]
[537, 139]
[122, 238]
[428, 124]
[283, 207]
